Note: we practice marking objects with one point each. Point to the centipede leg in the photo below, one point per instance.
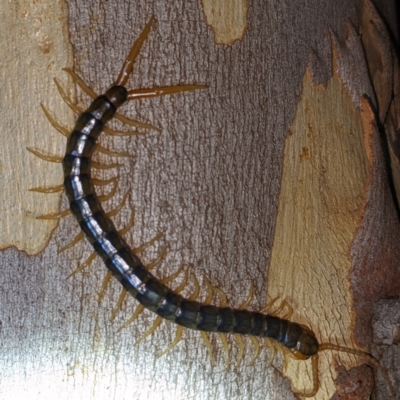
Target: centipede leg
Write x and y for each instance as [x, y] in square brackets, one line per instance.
[104, 285]
[117, 209]
[73, 242]
[184, 282]
[178, 337]
[81, 267]
[153, 328]
[139, 309]
[240, 343]
[46, 157]
[102, 166]
[270, 345]
[158, 259]
[225, 346]
[171, 277]
[79, 81]
[222, 336]
[281, 307]
[113, 132]
[119, 304]
[148, 244]
[67, 99]
[209, 347]
[54, 123]
[53, 189]
[99, 182]
[249, 298]
[109, 195]
[111, 153]
[256, 345]
[58, 215]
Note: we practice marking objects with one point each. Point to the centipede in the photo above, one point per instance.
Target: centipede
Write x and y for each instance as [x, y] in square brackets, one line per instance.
[123, 262]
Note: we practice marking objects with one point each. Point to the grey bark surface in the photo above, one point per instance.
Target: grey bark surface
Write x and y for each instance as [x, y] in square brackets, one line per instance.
[210, 180]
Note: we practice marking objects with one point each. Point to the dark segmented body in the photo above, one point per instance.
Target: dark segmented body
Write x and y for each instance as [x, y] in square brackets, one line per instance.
[130, 271]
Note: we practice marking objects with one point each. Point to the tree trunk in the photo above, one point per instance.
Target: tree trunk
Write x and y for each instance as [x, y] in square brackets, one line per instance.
[276, 178]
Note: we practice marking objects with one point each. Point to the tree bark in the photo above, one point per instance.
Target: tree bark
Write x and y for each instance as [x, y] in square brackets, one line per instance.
[275, 176]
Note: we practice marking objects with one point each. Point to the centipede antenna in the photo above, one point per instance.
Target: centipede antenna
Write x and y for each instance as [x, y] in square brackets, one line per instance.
[81, 267]
[118, 306]
[58, 215]
[108, 196]
[116, 210]
[104, 285]
[149, 243]
[162, 91]
[178, 337]
[246, 303]
[73, 242]
[226, 348]
[64, 131]
[158, 259]
[112, 132]
[112, 153]
[45, 157]
[153, 328]
[67, 99]
[256, 345]
[130, 60]
[54, 189]
[170, 278]
[139, 309]
[103, 166]
[99, 182]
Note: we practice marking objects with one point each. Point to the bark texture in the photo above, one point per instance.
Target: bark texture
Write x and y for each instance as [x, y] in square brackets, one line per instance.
[275, 175]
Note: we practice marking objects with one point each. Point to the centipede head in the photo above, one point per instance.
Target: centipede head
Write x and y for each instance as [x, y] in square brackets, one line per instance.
[117, 95]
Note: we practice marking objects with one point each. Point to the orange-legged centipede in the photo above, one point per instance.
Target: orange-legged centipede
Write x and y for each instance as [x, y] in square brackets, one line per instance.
[127, 268]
